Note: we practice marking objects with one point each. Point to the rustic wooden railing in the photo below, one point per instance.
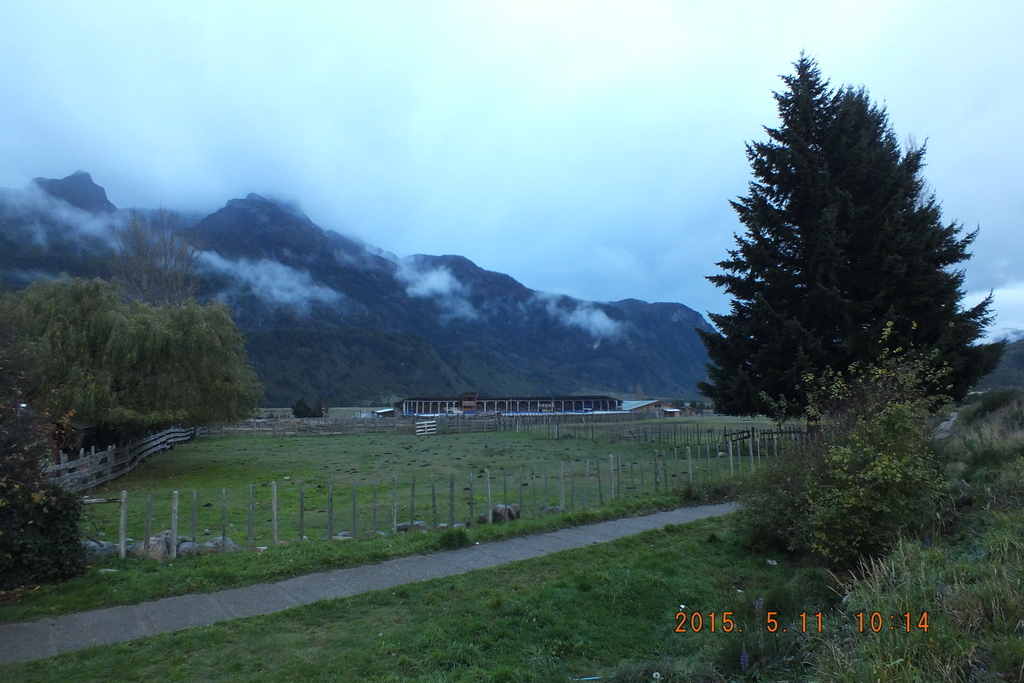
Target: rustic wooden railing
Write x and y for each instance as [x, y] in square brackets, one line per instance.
[90, 469]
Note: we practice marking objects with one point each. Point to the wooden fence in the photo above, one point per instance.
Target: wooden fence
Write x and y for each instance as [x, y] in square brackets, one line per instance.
[297, 510]
[611, 428]
[91, 469]
[444, 424]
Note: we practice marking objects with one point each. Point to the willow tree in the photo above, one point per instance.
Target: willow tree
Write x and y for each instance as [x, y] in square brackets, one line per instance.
[843, 245]
[129, 365]
[155, 260]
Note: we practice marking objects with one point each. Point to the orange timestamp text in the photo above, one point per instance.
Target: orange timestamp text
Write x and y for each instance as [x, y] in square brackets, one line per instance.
[725, 622]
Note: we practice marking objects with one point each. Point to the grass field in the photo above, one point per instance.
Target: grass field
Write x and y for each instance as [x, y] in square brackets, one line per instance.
[551, 472]
[211, 465]
[607, 610]
[597, 611]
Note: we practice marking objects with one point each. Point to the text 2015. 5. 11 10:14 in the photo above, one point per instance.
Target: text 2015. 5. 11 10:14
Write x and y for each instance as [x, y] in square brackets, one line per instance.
[724, 622]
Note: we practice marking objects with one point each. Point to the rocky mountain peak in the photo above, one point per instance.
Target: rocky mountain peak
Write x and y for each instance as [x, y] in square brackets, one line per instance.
[79, 190]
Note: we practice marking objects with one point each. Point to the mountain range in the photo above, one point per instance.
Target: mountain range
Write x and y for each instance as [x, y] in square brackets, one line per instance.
[330, 318]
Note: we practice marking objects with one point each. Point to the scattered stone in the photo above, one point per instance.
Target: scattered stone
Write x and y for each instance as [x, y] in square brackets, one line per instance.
[460, 525]
[551, 509]
[100, 550]
[187, 548]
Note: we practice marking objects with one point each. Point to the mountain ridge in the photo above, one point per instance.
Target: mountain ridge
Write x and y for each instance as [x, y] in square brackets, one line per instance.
[330, 318]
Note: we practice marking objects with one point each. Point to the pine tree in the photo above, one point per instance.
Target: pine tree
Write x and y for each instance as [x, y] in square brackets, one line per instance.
[841, 240]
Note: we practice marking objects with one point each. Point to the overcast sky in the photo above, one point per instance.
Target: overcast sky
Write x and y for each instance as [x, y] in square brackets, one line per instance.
[585, 148]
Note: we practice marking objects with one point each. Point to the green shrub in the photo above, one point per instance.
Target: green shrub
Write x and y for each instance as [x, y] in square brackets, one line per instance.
[39, 538]
[453, 538]
[988, 403]
[866, 473]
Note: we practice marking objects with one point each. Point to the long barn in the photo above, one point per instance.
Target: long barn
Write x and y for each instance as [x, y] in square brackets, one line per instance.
[470, 403]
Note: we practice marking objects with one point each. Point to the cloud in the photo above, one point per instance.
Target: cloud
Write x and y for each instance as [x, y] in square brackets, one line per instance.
[273, 281]
[438, 284]
[1008, 302]
[583, 315]
[40, 211]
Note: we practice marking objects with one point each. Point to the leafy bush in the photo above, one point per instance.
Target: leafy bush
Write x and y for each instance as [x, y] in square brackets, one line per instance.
[39, 538]
[988, 403]
[865, 473]
[452, 539]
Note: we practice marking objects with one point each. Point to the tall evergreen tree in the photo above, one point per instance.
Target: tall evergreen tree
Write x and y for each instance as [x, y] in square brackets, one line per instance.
[842, 240]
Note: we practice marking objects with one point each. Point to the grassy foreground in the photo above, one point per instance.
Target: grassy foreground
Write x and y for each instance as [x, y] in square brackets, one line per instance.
[130, 581]
[599, 611]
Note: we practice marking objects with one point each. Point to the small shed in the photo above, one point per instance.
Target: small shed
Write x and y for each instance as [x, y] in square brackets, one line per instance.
[654, 407]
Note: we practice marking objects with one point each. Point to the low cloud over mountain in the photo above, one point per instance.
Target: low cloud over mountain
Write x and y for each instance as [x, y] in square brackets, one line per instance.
[331, 318]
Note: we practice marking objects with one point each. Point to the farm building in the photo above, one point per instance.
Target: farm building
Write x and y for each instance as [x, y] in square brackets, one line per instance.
[470, 403]
[660, 408]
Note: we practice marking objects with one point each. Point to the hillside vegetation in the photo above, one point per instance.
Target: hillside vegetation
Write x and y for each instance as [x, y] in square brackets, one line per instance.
[340, 322]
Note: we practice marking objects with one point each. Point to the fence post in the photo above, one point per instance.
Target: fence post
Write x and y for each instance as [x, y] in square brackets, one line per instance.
[195, 516]
[618, 476]
[451, 500]
[504, 489]
[472, 503]
[122, 529]
[730, 458]
[611, 475]
[174, 524]
[586, 481]
[654, 462]
[572, 486]
[394, 504]
[487, 476]
[375, 506]
[149, 520]
[600, 487]
[689, 467]
[223, 519]
[664, 472]
[561, 484]
[750, 450]
[252, 527]
[522, 507]
[330, 509]
[273, 511]
[412, 503]
[355, 515]
[643, 483]
[533, 488]
[302, 510]
[433, 501]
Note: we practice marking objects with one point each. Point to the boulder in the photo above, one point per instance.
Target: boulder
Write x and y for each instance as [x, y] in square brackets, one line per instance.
[158, 548]
[551, 509]
[100, 550]
[505, 513]
[187, 548]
